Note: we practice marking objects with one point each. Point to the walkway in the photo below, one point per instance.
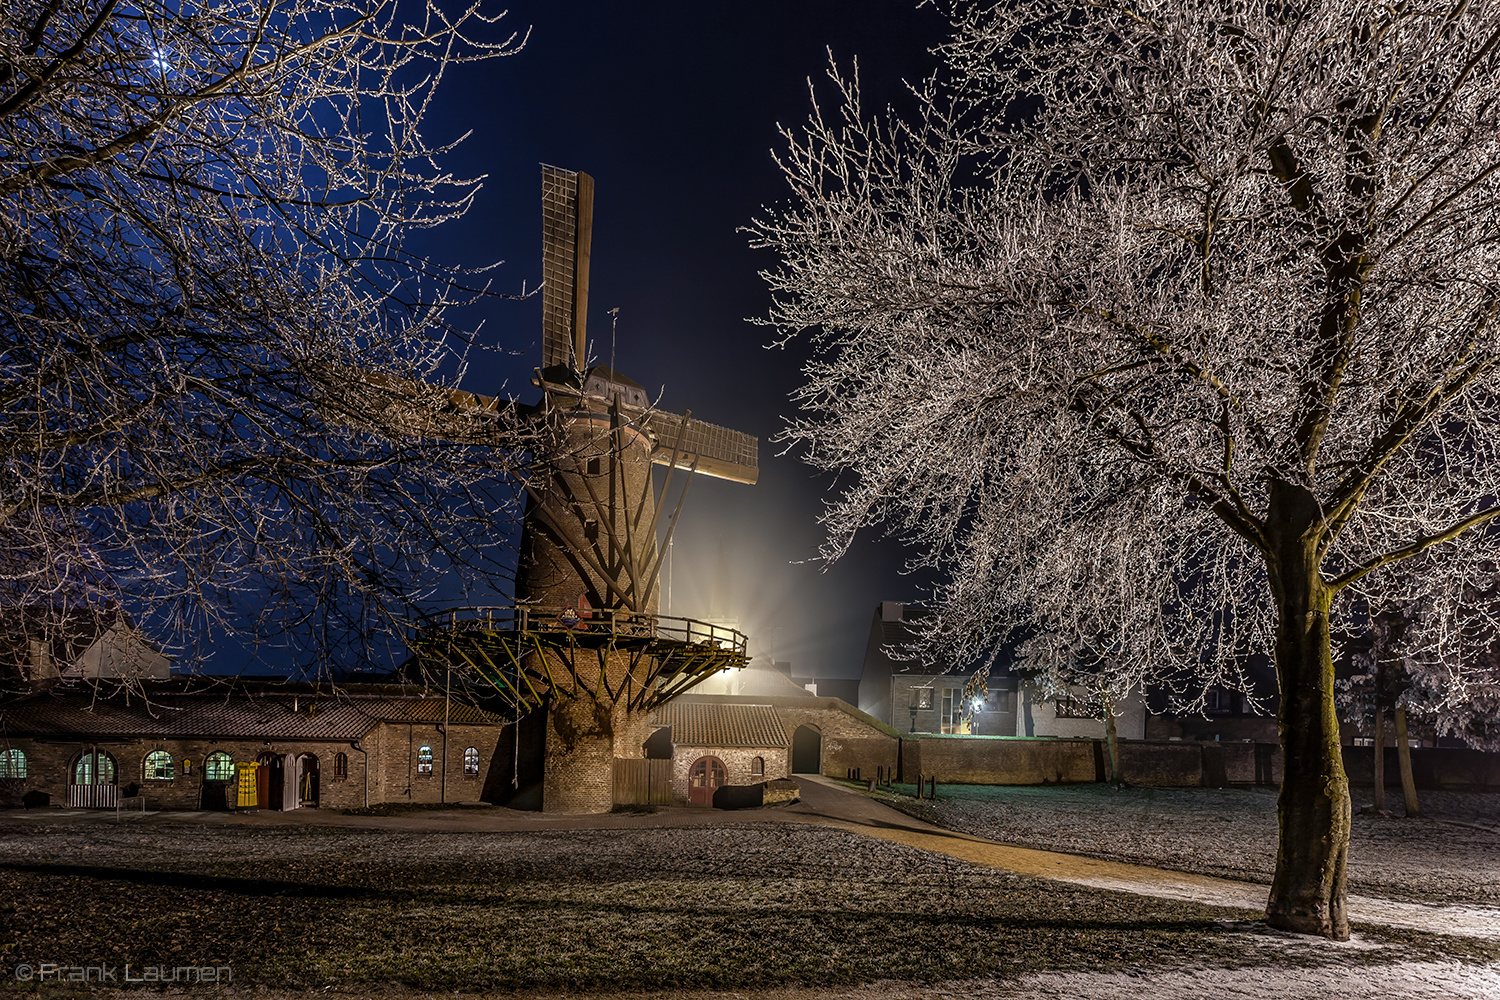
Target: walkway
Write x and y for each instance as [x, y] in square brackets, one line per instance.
[840, 806]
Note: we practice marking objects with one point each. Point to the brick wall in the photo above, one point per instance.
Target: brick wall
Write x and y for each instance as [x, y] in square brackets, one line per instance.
[737, 762]
[848, 737]
[1445, 768]
[48, 768]
[981, 761]
[391, 750]
[395, 750]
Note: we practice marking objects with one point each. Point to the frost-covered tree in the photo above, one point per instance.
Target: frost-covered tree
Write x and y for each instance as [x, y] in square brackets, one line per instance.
[221, 363]
[1163, 328]
[1433, 652]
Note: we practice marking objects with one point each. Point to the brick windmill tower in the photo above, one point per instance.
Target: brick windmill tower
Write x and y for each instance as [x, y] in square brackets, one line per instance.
[584, 639]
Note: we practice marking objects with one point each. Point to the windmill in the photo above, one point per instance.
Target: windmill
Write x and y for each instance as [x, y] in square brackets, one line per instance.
[584, 639]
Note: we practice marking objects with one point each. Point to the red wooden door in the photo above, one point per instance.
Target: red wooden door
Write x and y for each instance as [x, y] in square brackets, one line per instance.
[707, 775]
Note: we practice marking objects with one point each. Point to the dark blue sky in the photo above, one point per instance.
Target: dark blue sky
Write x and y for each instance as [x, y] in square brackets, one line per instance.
[673, 109]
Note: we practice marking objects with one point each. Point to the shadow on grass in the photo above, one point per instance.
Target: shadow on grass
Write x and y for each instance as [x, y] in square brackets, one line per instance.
[206, 882]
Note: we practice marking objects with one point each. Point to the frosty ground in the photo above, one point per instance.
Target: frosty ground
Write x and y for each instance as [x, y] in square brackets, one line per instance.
[694, 903]
[1451, 853]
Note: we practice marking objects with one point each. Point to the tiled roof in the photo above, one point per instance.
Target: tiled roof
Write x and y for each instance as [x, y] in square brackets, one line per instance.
[699, 725]
[428, 710]
[225, 717]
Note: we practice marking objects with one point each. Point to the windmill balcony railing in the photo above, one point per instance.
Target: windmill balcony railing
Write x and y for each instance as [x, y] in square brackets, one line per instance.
[592, 622]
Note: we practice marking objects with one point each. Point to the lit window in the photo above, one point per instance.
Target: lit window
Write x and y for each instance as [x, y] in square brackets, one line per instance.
[12, 764]
[471, 762]
[94, 769]
[921, 697]
[758, 767]
[218, 767]
[158, 766]
[424, 760]
[340, 766]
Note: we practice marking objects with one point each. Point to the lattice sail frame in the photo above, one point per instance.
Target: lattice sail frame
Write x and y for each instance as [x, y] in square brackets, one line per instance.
[567, 228]
[527, 653]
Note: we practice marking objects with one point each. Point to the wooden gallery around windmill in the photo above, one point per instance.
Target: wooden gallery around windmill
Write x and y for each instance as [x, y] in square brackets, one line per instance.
[584, 650]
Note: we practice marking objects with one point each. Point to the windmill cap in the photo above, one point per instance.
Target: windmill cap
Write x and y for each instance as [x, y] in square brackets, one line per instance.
[610, 375]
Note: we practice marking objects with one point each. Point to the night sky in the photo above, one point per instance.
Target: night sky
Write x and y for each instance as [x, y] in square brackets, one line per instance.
[673, 110]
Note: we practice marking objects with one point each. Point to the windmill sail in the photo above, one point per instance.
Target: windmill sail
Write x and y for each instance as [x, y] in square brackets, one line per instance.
[717, 451]
[567, 226]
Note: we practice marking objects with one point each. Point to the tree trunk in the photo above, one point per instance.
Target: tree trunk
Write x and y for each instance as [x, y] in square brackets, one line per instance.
[1403, 756]
[1379, 756]
[1111, 739]
[1309, 888]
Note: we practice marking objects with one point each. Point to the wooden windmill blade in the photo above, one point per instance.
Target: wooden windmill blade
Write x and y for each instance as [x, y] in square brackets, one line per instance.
[567, 230]
[717, 451]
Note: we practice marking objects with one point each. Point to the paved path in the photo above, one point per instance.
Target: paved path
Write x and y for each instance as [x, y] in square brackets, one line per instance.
[827, 802]
[830, 803]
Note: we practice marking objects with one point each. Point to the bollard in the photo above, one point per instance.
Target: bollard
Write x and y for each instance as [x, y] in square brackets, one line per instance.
[932, 791]
[871, 787]
[921, 782]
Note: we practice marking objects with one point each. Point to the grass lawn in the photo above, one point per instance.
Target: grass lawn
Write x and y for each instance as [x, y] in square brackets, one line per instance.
[718, 906]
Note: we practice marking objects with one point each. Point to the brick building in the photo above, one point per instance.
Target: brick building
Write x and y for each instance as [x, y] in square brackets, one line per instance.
[720, 742]
[300, 747]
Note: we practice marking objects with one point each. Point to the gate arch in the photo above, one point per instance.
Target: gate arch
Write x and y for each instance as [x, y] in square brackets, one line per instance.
[706, 776]
[807, 750]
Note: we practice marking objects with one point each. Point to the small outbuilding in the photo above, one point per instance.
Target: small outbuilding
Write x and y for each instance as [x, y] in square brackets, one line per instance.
[715, 745]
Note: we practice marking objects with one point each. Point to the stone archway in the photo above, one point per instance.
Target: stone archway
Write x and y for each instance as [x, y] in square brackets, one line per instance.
[807, 750]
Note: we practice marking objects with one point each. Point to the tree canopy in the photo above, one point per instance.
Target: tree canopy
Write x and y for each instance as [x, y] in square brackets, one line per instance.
[1161, 327]
[1126, 266]
[221, 366]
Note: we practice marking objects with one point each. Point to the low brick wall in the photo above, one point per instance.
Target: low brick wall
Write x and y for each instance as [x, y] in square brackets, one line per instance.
[990, 760]
[1438, 768]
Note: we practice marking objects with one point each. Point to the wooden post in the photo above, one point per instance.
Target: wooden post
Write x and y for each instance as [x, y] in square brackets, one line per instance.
[920, 789]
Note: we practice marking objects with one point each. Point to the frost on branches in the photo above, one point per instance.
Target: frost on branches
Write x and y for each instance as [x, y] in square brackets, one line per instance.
[1435, 654]
[1165, 329]
[215, 347]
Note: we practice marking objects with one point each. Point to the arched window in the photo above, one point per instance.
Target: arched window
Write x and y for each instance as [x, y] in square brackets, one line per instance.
[158, 766]
[218, 766]
[12, 764]
[94, 768]
[424, 760]
[340, 766]
[758, 767]
[471, 762]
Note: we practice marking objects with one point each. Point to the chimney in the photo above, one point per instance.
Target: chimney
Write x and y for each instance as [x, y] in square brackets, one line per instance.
[42, 672]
